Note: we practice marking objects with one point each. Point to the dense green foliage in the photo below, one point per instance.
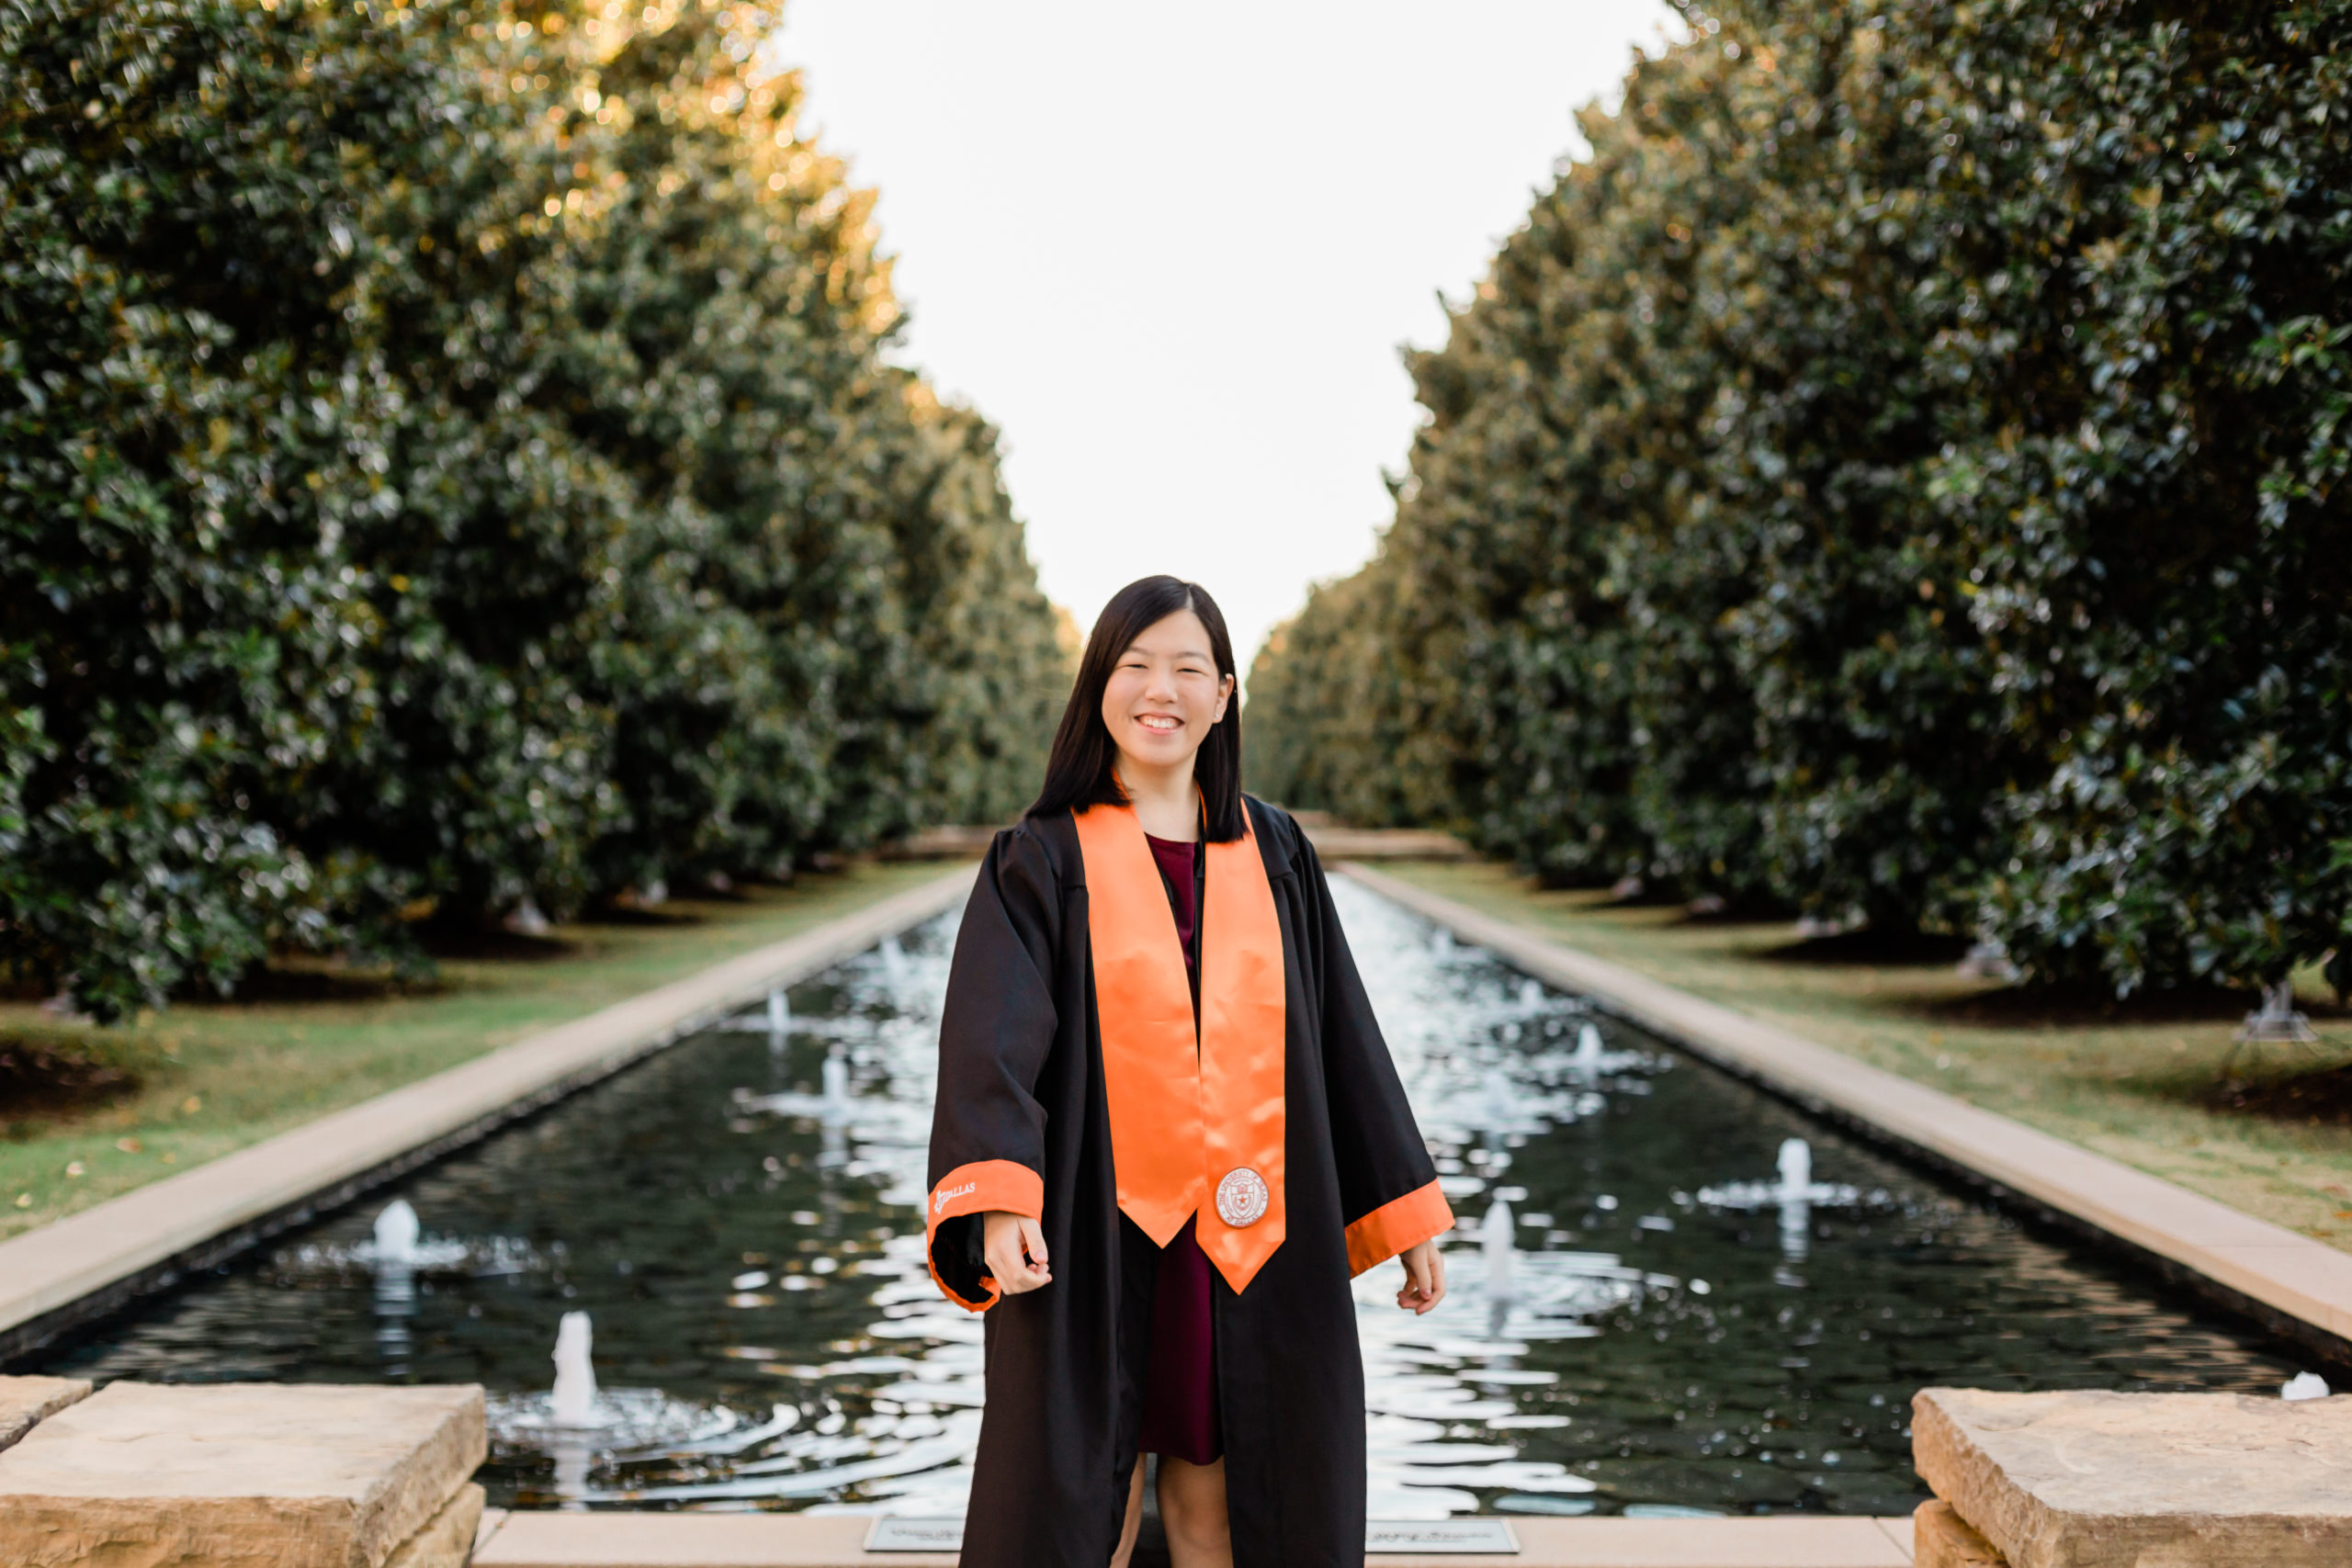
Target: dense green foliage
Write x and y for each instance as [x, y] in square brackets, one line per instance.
[1895, 476]
[448, 459]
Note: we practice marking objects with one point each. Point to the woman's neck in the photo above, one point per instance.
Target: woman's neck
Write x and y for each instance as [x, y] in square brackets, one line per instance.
[1164, 800]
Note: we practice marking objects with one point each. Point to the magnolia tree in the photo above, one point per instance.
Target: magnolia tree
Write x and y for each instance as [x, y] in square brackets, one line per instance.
[1895, 477]
[449, 460]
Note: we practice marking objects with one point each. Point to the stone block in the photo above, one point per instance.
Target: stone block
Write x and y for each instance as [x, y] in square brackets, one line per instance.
[1942, 1539]
[237, 1476]
[447, 1538]
[2098, 1480]
[24, 1401]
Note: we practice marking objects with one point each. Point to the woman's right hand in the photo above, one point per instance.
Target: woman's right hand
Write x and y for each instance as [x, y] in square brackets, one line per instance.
[1015, 1249]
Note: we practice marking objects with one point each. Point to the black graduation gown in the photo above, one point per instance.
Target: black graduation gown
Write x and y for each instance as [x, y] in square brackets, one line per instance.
[1021, 1082]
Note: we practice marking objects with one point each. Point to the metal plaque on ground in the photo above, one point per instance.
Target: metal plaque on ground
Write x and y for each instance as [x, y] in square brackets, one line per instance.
[1449, 1537]
[915, 1535]
[1466, 1537]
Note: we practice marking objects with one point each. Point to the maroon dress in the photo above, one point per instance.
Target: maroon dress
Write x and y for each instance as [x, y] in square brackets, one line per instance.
[1180, 1382]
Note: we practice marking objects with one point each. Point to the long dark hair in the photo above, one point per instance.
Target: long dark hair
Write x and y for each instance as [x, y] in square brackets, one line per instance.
[1079, 771]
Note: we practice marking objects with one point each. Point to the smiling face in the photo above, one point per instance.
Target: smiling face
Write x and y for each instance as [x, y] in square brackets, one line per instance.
[1164, 694]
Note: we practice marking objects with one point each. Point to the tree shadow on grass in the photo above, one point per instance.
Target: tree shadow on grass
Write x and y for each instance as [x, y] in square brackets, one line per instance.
[2312, 1097]
[283, 983]
[303, 979]
[493, 944]
[638, 915]
[39, 1085]
[2089, 1006]
[1872, 947]
[1727, 913]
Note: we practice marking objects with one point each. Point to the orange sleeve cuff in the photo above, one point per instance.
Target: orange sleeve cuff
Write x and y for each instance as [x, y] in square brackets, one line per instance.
[1394, 1226]
[978, 1189]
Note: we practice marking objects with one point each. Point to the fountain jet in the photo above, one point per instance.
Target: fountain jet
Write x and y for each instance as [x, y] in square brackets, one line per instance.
[1500, 1113]
[393, 1256]
[397, 1233]
[1796, 1196]
[574, 1404]
[1793, 1191]
[836, 1085]
[1796, 1164]
[1500, 1244]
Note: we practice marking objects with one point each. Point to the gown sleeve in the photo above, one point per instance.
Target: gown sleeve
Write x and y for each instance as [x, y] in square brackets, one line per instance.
[1388, 1190]
[987, 1130]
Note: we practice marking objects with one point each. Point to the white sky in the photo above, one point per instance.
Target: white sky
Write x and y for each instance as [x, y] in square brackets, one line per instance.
[1171, 252]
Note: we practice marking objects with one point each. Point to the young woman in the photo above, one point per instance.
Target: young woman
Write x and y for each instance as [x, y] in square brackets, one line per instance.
[1168, 1133]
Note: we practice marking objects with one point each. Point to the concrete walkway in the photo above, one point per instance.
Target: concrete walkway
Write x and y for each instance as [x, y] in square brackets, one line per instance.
[2307, 1284]
[798, 1541]
[94, 1261]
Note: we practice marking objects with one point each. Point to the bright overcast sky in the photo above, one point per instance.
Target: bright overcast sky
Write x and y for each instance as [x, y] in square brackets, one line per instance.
[1171, 252]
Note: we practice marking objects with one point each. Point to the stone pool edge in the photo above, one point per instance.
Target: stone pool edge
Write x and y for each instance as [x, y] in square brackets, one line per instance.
[87, 1264]
[2289, 1283]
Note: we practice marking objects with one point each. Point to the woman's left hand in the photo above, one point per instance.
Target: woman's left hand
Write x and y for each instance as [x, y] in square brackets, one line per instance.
[1424, 1278]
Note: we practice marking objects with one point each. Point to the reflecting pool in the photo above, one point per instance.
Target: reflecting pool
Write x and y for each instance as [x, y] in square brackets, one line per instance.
[1671, 1294]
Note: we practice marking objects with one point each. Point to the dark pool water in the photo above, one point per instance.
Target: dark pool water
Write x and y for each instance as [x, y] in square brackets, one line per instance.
[1668, 1330]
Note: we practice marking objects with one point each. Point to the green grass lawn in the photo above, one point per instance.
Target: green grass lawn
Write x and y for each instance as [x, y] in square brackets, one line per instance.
[206, 1078]
[2135, 1082]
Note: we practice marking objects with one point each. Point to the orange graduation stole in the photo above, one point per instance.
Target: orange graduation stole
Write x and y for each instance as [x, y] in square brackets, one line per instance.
[1196, 1127]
